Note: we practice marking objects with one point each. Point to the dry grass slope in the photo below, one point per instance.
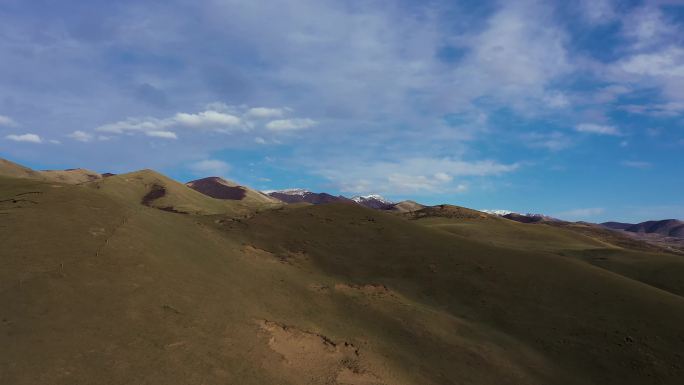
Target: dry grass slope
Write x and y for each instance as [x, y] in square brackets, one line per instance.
[97, 287]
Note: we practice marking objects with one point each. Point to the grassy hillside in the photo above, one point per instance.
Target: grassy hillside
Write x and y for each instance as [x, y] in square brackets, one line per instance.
[156, 190]
[220, 188]
[602, 248]
[71, 176]
[99, 285]
[510, 234]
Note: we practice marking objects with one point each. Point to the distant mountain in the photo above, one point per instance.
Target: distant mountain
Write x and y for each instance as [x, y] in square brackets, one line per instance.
[374, 201]
[498, 212]
[305, 196]
[666, 227]
[530, 218]
[617, 225]
[522, 218]
[220, 188]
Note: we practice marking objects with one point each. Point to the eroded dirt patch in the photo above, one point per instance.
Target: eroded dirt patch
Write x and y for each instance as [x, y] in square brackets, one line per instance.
[312, 358]
[290, 258]
[370, 290]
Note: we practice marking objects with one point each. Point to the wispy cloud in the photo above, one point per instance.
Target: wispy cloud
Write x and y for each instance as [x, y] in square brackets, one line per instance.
[411, 175]
[656, 109]
[553, 140]
[81, 136]
[219, 118]
[390, 82]
[636, 164]
[7, 121]
[582, 213]
[598, 11]
[206, 119]
[210, 167]
[266, 113]
[598, 129]
[162, 134]
[28, 138]
[290, 124]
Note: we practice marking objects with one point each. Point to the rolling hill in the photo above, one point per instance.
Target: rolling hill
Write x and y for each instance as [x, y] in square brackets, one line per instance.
[136, 278]
[220, 188]
[667, 227]
[70, 176]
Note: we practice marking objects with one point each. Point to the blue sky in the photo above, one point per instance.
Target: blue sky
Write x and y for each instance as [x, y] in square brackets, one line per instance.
[573, 109]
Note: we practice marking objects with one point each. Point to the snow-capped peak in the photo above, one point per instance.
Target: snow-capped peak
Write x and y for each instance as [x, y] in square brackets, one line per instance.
[376, 197]
[289, 191]
[498, 212]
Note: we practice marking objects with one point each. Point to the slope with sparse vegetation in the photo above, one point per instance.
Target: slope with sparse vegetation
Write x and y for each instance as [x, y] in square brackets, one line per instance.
[104, 283]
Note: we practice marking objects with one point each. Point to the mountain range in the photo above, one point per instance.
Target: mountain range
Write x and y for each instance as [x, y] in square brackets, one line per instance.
[666, 227]
[138, 278]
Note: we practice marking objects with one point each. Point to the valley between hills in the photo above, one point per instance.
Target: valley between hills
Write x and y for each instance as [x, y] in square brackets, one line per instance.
[139, 279]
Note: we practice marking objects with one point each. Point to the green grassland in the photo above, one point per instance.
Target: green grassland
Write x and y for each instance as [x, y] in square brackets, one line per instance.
[98, 287]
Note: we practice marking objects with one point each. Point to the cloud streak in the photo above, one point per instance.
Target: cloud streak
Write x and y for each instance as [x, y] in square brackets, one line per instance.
[27, 138]
[222, 119]
[211, 167]
[410, 176]
[598, 129]
[7, 121]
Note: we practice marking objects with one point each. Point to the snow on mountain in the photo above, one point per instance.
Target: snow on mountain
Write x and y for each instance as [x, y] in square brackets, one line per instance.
[289, 191]
[372, 197]
[374, 201]
[299, 195]
[500, 213]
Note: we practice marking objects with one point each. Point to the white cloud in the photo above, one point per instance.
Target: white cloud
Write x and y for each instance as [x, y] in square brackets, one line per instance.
[636, 164]
[661, 69]
[162, 134]
[553, 140]
[599, 129]
[556, 100]
[668, 62]
[659, 109]
[443, 177]
[411, 175]
[206, 118]
[647, 26]
[133, 124]
[7, 121]
[611, 93]
[583, 213]
[266, 113]
[210, 167]
[220, 118]
[29, 138]
[652, 59]
[81, 136]
[597, 11]
[514, 61]
[290, 124]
